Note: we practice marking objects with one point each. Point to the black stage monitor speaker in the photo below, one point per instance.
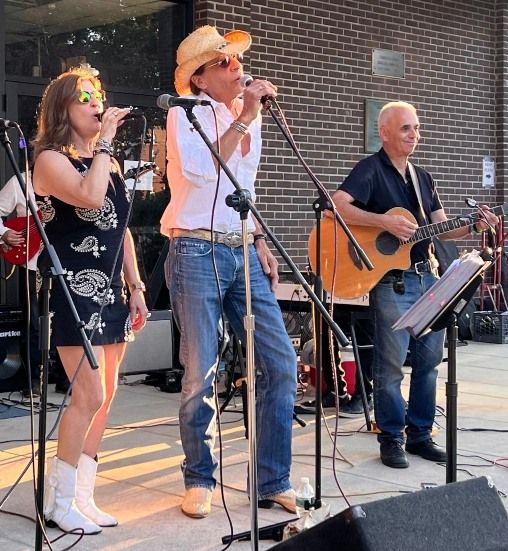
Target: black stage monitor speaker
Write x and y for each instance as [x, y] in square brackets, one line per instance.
[153, 348]
[463, 516]
[11, 320]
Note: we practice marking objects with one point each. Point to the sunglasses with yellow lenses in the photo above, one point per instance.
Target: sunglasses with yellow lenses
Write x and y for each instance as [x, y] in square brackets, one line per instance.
[84, 96]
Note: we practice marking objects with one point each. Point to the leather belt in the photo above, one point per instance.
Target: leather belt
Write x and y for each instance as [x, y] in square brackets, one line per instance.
[230, 239]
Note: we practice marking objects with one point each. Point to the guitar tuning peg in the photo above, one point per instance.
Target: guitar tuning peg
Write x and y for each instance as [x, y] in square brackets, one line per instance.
[470, 202]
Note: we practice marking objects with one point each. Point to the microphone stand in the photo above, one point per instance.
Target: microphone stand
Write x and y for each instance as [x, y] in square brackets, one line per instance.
[44, 331]
[240, 201]
[323, 202]
[319, 205]
[255, 533]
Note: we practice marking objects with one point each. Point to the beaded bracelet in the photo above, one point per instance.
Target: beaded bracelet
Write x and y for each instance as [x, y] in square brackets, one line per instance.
[103, 146]
[239, 127]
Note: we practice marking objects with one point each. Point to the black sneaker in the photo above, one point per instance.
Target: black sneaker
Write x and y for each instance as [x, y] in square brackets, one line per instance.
[427, 449]
[355, 407]
[393, 454]
[36, 389]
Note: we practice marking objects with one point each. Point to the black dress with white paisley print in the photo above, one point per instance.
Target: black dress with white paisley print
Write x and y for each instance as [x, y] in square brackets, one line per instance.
[87, 241]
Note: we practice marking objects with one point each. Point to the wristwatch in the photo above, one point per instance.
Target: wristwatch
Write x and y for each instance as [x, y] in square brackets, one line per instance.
[137, 285]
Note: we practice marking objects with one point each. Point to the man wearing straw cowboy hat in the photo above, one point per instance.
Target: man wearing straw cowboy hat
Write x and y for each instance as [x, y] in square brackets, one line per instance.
[209, 66]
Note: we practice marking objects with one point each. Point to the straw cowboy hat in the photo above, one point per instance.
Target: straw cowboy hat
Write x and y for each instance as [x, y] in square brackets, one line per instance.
[200, 47]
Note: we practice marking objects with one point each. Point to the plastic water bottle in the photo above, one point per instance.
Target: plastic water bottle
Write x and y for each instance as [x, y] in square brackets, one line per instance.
[304, 497]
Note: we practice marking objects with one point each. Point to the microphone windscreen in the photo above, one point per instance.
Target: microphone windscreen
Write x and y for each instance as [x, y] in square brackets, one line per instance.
[246, 80]
[163, 101]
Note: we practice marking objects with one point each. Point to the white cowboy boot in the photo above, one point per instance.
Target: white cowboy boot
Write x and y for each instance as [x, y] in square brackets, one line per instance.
[60, 504]
[87, 471]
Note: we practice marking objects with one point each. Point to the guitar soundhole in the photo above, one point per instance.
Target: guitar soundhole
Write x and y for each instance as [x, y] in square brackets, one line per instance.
[386, 243]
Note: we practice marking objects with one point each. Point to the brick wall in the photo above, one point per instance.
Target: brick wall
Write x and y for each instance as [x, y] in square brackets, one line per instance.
[319, 54]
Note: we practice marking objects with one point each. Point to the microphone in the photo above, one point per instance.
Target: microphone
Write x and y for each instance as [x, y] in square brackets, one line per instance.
[135, 113]
[166, 101]
[247, 80]
[5, 124]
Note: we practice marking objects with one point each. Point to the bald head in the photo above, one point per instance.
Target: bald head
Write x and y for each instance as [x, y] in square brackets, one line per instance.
[399, 129]
[390, 109]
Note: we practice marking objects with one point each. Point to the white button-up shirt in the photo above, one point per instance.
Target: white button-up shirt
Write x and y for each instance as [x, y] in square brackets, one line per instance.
[192, 174]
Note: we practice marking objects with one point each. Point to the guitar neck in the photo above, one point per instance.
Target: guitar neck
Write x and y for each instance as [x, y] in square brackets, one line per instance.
[432, 230]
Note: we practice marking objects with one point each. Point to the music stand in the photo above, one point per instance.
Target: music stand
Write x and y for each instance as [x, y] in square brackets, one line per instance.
[437, 309]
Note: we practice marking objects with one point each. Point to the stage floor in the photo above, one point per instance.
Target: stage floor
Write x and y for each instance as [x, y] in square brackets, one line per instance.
[140, 481]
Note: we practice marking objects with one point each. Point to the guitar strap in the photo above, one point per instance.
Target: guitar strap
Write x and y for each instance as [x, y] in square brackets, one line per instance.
[416, 184]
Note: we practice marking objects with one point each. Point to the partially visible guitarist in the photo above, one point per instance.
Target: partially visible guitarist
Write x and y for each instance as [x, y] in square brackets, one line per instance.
[375, 185]
[13, 201]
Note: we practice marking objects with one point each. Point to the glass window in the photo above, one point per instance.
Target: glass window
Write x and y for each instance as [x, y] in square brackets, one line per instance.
[132, 44]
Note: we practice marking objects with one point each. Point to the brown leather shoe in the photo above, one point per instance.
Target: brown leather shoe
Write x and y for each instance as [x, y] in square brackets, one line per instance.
[286, 499]
[197, 502]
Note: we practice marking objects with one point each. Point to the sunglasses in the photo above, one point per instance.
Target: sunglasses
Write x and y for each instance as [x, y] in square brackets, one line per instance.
[86, 97]
[225, 61]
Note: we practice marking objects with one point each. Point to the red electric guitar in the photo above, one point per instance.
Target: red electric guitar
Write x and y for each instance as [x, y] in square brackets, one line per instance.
[18, 254]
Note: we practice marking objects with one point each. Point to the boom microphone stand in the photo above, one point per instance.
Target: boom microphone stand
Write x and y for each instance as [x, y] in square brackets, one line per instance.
[335, 328]
[323, 202]
[44, 320]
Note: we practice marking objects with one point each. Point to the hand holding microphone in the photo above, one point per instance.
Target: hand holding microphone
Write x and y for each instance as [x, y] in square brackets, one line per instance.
[111, 119]
[256, 93]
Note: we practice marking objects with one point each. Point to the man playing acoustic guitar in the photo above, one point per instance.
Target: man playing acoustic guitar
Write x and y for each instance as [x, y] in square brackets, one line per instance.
[375, 185]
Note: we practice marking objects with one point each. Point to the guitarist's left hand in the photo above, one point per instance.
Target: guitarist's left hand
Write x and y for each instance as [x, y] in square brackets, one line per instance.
[268, 262]
[13, 238]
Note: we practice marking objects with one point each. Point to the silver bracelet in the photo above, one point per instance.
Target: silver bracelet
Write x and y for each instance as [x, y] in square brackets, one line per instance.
[240, 127]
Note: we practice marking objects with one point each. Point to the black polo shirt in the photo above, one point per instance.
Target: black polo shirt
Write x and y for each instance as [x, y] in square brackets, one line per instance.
[377, 186]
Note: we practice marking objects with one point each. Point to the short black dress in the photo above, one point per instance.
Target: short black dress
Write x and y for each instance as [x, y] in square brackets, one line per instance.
[87, 242]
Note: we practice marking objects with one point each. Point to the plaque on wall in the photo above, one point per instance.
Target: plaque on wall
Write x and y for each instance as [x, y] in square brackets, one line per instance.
[387, 63]
[372, 141]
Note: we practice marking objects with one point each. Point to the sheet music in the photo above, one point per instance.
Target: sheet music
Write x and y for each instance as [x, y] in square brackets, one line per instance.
[429, 306]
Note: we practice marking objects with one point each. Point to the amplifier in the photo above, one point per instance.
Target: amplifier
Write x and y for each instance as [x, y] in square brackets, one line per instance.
[11, 322]
[153, 348]
[295, 304]
[294, 293]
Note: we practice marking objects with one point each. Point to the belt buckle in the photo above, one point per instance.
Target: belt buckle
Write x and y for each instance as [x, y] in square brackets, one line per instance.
[232, 239]
[424, 267]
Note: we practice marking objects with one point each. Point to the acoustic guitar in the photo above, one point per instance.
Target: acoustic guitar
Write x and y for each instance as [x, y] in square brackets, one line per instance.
[385, 251]
[18, 254]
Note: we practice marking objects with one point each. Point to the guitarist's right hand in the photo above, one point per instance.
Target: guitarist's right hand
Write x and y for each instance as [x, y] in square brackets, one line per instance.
[13, 238]
[399, 226]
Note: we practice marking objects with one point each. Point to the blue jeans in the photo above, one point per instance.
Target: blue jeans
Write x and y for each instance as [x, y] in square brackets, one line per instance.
[390, 350]
[196, 308]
